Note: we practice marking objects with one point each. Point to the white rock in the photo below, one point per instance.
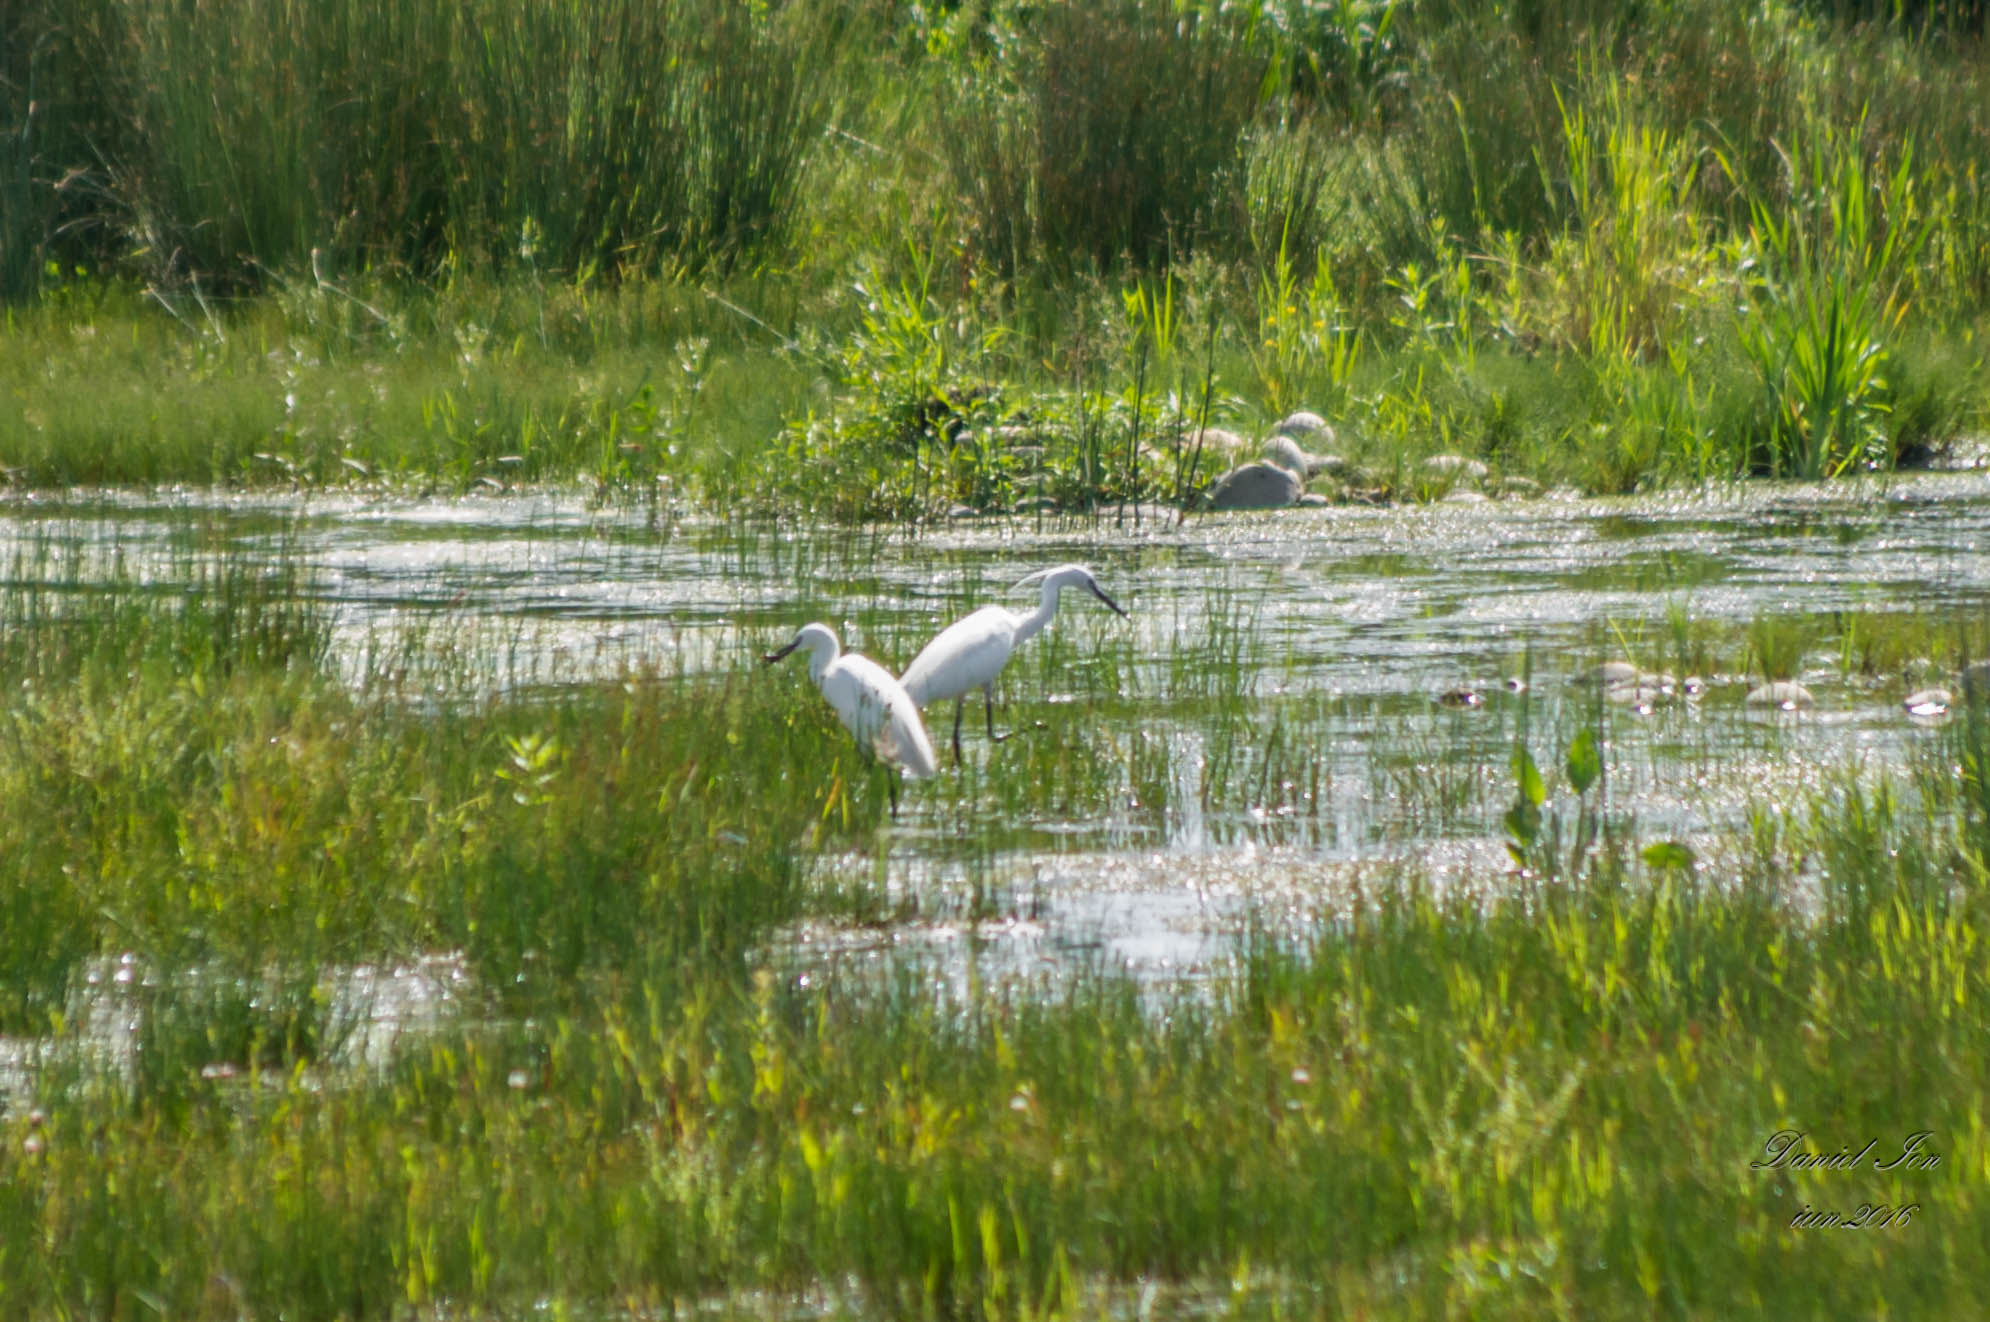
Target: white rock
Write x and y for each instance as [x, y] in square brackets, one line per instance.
[1307, 428]
[1786, 694]
[1285, 452]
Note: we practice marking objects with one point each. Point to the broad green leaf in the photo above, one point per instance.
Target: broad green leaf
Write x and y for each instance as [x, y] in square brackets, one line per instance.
[1523, 822]
[1585, 762]
[1527, 777]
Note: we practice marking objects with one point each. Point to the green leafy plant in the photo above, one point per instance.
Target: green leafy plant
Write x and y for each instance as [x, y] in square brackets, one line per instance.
[1832, 291]
[1536, 841]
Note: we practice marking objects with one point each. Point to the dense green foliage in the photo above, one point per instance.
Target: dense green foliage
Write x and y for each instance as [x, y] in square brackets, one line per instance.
[979, 254]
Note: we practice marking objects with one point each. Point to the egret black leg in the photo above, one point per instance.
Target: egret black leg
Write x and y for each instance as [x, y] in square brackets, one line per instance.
[891, 788]
[988, 707]
[959, 703]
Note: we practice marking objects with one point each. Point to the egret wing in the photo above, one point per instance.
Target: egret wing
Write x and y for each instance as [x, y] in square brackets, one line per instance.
[880, 714]
[965, 655]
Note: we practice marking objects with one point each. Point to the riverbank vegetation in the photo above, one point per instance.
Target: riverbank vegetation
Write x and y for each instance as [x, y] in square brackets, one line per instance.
[886, 261]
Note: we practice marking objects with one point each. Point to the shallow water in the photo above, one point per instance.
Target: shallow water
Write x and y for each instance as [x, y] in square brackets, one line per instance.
[1337, 627]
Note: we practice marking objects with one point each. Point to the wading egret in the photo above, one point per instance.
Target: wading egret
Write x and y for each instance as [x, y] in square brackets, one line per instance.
[872, 705]
[969, 653]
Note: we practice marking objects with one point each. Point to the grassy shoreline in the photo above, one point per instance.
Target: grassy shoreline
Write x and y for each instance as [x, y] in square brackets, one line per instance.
[1610, 249]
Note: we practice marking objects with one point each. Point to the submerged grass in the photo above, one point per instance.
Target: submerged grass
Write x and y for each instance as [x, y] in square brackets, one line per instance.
[212, 798]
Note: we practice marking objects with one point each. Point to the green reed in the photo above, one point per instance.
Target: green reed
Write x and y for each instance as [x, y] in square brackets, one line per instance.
[331, 133]
[1612, 249]
[211, 796]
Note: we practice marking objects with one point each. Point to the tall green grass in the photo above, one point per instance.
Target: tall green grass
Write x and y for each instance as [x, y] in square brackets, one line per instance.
[1540, 1093]
[215, 801]
[350, 134]
[1818, 333]
[1061, 165]
[1590, 244]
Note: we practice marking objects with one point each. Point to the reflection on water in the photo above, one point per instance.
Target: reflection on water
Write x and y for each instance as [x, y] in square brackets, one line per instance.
[1348, 624]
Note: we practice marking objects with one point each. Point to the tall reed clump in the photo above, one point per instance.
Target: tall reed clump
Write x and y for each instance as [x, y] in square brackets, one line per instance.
[1296, 199]
[24, 219]
[1477, 129]
[1631, 287]
[1840, 257]
[529, 137]
[1101, 133]
[618, 136]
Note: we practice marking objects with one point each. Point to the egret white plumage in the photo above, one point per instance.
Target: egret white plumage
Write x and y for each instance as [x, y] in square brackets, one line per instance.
[969, 653]
[873, 706]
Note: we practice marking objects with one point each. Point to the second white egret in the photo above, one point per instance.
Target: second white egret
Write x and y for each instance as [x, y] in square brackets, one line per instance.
[969, 653]
[873, 706]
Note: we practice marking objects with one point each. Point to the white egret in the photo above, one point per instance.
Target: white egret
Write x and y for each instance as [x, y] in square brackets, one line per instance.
[872, 705]
[969, 653]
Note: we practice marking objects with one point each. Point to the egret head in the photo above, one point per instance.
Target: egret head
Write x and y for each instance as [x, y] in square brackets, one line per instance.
[819, 639]
[1068, 576]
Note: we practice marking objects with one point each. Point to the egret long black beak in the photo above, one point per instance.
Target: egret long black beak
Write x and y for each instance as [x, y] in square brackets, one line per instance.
[771, 657]
[1100, 593]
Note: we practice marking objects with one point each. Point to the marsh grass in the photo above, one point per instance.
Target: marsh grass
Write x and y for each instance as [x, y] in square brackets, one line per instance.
[1818, 334]
[1058, 166]
[1538, 1094]
[214, 798]
[890, 270]
[1410, 1107]
[480, 387]
[603, 139]
[1437, 1085]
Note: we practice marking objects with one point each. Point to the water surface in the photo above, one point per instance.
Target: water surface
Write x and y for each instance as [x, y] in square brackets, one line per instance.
[1333, 631]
